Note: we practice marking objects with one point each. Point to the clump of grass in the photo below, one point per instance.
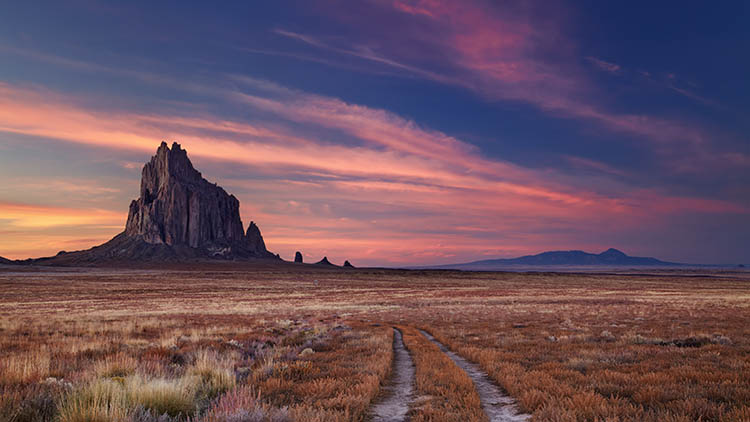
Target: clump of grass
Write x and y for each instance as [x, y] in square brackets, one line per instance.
[173, 397]
[99, 401]
[118, 366]
[113, 400]
[215, 374]
[25, 368]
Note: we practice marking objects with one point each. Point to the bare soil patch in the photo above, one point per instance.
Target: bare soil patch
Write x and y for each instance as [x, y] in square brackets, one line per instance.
[399, 393]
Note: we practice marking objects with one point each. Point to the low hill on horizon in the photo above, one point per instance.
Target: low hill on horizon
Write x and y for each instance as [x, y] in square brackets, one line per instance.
[610, 257]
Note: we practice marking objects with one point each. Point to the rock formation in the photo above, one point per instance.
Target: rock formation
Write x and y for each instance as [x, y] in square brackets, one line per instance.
[178, 216]
[5, 261]
[298, 257]
[348, 264]
[324, 261]
[255, 240]
[178, 207]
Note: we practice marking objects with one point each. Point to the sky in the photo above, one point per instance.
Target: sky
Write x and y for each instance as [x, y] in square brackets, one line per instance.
[388, 132]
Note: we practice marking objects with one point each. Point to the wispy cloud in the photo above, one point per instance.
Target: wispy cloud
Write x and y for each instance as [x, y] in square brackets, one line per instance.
[499, 55]
[604, 65]
[363, 52]
[596, 166]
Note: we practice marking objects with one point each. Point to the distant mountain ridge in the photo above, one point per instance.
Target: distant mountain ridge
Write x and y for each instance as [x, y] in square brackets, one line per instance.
[610, 257]
[5, 261]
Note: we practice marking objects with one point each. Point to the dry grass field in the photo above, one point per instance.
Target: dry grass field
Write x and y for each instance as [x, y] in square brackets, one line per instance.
[221, 344]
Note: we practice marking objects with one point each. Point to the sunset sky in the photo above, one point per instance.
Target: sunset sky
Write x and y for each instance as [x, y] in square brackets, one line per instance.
[388, 132]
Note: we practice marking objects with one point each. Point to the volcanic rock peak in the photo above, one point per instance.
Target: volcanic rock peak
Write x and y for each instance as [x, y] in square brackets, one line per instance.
[178, 207]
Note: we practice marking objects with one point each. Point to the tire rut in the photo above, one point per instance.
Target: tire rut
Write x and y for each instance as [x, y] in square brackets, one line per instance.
[496, 405]
[399, 393]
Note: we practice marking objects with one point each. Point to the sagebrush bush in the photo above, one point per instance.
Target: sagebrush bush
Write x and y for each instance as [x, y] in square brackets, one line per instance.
[244, 405]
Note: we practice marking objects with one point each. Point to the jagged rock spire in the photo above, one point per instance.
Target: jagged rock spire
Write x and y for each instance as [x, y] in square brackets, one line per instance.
[178, 207]
[254, 239]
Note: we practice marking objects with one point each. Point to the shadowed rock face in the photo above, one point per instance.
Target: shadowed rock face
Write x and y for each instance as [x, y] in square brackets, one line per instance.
[298, 257]
[348, 264]
[254, 240]
[178, 206]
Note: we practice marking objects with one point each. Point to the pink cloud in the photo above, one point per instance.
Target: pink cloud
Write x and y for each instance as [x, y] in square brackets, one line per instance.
[395, 192]
[504, 54]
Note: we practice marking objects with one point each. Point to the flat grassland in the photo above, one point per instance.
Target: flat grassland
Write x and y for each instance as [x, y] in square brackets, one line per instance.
[221, 344]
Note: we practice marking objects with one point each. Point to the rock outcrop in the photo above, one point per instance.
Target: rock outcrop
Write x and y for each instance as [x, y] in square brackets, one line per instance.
[178, 216]
[5, 261]
[298, 257]
[255, 241]
[348, 264]
[177, 206]
[324, 261]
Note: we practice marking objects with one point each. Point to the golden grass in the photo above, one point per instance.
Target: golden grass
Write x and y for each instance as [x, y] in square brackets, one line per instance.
[100, 401]
[173, 397]
[215, 374]
[31, 366]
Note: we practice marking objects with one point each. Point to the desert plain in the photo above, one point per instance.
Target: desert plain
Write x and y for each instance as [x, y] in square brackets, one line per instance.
[238, 342]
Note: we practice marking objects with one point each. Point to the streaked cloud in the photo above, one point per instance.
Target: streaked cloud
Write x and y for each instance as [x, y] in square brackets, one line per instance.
[32, 216]
[604, 65]
[503, 55]
[383, 190]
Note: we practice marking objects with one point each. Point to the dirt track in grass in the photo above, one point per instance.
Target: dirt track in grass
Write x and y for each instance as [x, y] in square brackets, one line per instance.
[399, 393]
[498, 406]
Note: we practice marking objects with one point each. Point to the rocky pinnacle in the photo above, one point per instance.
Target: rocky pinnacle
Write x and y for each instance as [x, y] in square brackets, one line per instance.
[178, 207]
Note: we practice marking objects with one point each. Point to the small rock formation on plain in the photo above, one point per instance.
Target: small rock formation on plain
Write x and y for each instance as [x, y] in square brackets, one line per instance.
[348, 264]
[324, 261]
[180, 216]
[298, 257]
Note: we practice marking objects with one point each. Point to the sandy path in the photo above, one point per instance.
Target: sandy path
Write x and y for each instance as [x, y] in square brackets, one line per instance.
[400, 391]
[497, 406]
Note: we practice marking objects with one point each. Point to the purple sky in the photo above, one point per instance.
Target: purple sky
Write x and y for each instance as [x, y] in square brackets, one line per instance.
[388, 132]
